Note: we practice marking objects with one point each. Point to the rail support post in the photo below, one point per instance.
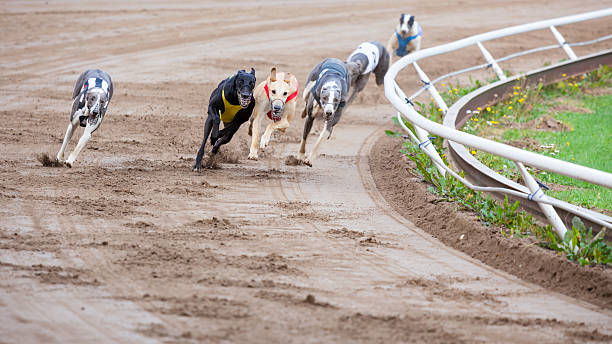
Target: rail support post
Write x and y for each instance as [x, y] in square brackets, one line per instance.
[563, 42]
[492, 62]
[547, 209]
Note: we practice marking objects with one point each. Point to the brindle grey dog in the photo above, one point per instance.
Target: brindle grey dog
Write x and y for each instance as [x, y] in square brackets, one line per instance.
[92, 93]
[371, 57]
[327, 85]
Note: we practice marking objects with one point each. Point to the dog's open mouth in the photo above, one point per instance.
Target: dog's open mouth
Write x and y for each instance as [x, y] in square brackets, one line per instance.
[244, 100]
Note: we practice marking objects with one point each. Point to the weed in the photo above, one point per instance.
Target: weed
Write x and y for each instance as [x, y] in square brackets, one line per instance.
[580, 246]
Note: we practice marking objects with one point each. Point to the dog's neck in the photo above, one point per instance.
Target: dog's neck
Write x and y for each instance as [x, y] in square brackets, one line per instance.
[231, 91]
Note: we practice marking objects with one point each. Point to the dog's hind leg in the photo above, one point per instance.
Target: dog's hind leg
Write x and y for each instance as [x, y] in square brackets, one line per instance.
[197, 167]
[69, 131]
[90, 128]
[360, 84]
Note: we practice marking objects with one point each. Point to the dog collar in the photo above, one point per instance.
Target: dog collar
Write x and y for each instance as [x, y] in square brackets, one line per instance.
[290, 97]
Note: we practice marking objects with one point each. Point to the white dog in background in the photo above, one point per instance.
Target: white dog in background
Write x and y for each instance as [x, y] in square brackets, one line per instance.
[407, 37]
[92, 93]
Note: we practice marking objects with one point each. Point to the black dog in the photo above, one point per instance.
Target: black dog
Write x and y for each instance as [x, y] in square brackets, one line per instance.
[231, 102]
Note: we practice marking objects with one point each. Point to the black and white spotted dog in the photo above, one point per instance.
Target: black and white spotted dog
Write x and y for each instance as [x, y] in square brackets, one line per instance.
[370, 57]
[90, 98]
[327, 86]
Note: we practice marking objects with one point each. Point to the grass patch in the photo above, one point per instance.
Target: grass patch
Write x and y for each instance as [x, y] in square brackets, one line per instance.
[561, 120]
[531, 119]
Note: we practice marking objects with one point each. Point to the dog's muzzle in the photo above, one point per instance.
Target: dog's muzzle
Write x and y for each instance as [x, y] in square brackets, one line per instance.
[244, 100]
[328, 111]
[276, 110]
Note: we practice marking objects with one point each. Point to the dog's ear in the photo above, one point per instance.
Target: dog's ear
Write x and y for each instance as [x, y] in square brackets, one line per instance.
[402, 18]
[411, 21]
[273, 74]
[252, 70]
[288, 78]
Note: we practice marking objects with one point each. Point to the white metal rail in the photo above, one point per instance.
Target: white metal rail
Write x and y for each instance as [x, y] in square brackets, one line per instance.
[423, 126]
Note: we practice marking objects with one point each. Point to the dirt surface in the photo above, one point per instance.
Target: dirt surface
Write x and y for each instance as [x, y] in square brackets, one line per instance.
[131, 246]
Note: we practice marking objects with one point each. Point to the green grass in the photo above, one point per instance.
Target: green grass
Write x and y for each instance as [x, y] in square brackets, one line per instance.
[587, 140]
[583, 138]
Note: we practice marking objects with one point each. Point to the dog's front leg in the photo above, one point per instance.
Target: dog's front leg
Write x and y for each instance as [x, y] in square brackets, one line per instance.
[69, 131]
[315, 149]
[90, 128]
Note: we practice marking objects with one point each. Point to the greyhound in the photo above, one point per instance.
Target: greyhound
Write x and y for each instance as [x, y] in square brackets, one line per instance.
[407, 37]
[328, 85]
[370, 57]
[90, 98]
[276, 98]
[231, 102]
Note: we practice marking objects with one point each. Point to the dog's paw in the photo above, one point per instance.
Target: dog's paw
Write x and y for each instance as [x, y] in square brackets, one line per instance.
[68, 164]
[307, 162]
[253, 157]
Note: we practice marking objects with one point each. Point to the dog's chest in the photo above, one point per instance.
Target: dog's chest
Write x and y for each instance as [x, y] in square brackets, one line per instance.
[229, 110]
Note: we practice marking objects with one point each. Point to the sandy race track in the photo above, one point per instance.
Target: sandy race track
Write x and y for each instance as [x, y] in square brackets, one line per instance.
[131, 246]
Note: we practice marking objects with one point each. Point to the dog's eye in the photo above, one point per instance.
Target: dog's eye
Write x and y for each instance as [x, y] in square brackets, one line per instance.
[273, 91]
[285, 93]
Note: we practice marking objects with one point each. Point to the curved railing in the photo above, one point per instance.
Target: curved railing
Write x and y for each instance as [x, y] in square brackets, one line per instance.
[533, 197]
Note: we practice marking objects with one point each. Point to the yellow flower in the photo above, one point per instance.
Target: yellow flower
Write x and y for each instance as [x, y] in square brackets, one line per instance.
[572, 158]
[521, 100]
[510, 107]
[473, 152]
[488, 108]
[478, 109]
[443, 85]
[439, 109]
[563, 75]
[515, 93]
[494, 122]
[456, 90]
[475, 119]
[567, 143]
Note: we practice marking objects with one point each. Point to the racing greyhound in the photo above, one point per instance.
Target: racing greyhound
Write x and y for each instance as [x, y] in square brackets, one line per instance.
[231, 102]
[92, 93]
[407, 37]
[370, 57]
[275, 98]
[328, 85]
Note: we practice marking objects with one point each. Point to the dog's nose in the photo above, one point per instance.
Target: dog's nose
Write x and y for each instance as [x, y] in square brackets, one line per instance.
[328, 112]
[277, 107]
